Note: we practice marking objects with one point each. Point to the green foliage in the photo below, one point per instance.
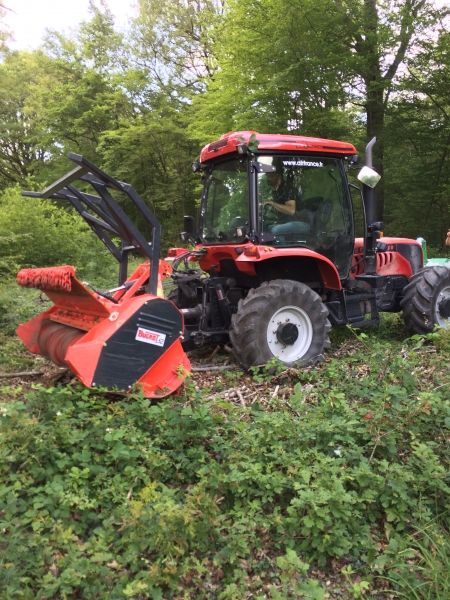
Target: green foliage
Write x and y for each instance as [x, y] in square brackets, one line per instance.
[142, 102]
[75, 101]
[22, 147]
[277, 72]
[201, 497]
[18, 304]
[174, 42]
[265, 373]
[36, 232]
[420, 567]
[153, 153]
[418, 127]
[197, 496]
[14, 357]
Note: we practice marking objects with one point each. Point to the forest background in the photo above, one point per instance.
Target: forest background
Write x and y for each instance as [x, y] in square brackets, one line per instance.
[141, 103]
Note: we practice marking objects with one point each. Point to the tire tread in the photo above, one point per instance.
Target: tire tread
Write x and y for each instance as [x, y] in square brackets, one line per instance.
[419, 298]
[246, 322]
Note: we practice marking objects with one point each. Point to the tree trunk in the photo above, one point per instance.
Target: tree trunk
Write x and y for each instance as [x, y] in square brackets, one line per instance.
[375, 89]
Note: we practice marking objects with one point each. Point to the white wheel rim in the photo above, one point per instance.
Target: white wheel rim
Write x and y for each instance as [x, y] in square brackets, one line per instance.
[295, 316]
[444, 294]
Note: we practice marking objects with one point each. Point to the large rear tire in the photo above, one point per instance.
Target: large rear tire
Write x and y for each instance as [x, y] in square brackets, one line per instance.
[426, 300]
[281, 319]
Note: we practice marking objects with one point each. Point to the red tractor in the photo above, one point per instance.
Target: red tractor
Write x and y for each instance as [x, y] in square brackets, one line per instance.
[274, 263]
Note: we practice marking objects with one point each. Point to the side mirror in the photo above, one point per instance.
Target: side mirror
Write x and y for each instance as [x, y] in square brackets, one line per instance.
[188, 225]
[369, 177]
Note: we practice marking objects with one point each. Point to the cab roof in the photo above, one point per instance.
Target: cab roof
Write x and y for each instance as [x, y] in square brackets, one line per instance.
[228, 143]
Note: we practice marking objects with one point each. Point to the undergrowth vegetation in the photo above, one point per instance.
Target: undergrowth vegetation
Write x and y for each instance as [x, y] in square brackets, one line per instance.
[35, 233]
[338, 490]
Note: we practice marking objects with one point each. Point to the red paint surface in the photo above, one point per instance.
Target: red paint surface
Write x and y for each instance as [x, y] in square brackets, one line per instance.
[278, 143]
[246, 256]
[74, 331]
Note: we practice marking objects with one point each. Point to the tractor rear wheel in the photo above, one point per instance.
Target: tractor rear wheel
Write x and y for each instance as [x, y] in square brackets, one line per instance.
[426, 300]
[281, 319]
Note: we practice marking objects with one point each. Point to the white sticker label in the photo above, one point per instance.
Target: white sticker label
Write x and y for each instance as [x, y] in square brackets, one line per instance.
[302, 163]
[150, 337]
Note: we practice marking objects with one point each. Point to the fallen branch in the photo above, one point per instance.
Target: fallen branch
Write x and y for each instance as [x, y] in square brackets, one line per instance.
[21, 374]
[241, 398]
[213, 368]
[214, 352]
[222, 393]
[59, 375]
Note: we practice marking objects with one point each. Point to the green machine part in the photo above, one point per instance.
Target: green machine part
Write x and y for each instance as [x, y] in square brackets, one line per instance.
[432, 262]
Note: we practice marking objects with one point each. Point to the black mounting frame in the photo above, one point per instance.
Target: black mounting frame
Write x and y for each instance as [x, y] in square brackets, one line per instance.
[106, 217]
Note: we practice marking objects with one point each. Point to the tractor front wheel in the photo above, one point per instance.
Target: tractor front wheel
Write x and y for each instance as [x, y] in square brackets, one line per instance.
[426, 300]
[281, 319]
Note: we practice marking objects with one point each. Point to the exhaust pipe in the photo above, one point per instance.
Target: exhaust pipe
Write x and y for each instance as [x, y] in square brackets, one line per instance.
[369, 178]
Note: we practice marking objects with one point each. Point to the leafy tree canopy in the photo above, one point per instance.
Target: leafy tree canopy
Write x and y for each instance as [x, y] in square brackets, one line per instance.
[144, 101]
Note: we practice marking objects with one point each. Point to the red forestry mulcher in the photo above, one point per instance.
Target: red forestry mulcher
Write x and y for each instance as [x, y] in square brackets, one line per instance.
[122, 337]
[278, 264]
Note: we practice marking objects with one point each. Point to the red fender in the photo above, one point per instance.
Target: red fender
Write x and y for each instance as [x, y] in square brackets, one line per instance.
[247, 256]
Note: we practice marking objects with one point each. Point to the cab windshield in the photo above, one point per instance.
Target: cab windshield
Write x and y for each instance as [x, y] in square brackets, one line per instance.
[304, 201]
[225, 211]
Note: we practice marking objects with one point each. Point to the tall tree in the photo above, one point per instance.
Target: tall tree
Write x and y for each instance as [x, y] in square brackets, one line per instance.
[80, 92]
[381, 35]
[153, 152]
[98, 40]
[4, 34]
[418, 145]
[21, 145]
[283, 66]
[174, 41]
[299, 65]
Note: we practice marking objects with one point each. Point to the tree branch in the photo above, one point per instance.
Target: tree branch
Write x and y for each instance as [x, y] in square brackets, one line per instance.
[410, 12]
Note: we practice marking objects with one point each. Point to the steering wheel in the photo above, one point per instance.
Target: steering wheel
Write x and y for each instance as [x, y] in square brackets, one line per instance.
[269, 214]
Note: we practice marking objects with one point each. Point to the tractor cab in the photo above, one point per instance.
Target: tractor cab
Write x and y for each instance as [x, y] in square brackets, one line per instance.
[291, 192]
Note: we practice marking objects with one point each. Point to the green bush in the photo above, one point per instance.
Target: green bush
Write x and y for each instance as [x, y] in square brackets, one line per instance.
[35, 233]
[197, 497]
